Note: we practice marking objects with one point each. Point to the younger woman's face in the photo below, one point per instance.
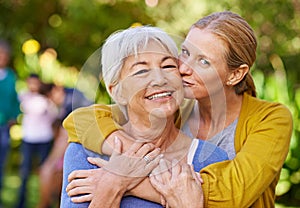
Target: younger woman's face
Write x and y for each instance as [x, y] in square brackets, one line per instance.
[202, 64]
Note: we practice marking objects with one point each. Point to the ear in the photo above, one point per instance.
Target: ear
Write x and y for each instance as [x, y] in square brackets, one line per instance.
[237, 75]
[116, 92]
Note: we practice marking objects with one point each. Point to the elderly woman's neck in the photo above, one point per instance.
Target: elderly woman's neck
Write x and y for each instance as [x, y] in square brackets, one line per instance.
[158, 131]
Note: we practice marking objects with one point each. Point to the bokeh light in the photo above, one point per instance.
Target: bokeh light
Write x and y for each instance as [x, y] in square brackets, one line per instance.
[55, 20]
[136, 24]
[31, 46]
[16, 132]
[151, 3]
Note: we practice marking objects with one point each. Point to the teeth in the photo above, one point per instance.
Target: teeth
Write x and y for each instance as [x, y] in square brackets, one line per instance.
[160, 95]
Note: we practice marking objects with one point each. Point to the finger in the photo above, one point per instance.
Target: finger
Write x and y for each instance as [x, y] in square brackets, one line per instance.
[78, 174]
[118, 145]
[186, 170]
[156, 183]
[154, 153]
[145, 149]
[117, 149]
[186, 173]
[153, 156]
[79, 191]
[196, 176]
[134, 148]
[97, 161]
[199, 177]
[156, 173]
[81, 199]
[163, 201]
[75, 183]
[176, 169]
[153, 164]
[165, 174]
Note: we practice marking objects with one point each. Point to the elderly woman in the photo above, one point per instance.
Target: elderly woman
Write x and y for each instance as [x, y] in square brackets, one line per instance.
[140, 69]
[215, 63]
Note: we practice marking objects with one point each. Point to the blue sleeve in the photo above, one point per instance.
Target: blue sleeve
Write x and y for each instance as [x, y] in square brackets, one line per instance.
[206, 154]
[75, 158]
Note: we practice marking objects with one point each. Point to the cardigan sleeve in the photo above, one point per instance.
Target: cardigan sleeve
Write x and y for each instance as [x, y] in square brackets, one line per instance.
[91, 125]
[262, 143]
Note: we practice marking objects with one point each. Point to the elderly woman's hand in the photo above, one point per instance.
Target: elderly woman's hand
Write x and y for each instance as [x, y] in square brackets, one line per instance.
[179, 186]
[123, 170]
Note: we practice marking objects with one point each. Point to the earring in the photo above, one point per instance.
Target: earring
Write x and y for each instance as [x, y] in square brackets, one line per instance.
[229, 83]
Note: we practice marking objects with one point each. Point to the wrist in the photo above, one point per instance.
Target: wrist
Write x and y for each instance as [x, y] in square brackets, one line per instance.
[116, 183]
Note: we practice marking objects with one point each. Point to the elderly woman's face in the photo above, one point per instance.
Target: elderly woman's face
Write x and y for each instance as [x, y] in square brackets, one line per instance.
[150, 82]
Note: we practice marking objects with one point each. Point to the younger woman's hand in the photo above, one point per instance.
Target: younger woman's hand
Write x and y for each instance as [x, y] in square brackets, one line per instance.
[179, 186]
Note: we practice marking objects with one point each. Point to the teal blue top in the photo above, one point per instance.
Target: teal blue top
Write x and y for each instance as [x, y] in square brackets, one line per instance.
[9, 102]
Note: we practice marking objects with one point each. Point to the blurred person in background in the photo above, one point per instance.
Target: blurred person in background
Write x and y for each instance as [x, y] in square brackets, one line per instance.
[66, 100]
[9, 105]
[39, 113]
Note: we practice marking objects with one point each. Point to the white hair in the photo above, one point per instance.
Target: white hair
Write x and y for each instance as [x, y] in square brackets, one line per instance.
[129, 42]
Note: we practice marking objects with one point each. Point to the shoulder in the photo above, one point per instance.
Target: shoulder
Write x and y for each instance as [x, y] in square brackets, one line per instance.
[85, 119]
[10, 73]
[264, 121]
[86, 115]
[261, 109]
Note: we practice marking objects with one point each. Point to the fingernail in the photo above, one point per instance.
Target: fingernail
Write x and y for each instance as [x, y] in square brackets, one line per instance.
[116, 139]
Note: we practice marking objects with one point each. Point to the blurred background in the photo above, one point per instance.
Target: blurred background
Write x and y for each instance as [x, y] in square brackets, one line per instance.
[59, 40]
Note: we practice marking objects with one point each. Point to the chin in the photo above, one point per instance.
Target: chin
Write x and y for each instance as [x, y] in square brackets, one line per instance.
[163, 113]
[189, 95]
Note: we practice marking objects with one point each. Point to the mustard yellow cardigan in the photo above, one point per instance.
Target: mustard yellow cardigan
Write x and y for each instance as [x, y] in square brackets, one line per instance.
[261, 141]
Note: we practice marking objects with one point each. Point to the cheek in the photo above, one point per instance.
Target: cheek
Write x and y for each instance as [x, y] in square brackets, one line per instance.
[207, 76]
[133, 90]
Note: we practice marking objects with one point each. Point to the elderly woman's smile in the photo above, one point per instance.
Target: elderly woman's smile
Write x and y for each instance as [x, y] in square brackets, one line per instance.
[159, 95]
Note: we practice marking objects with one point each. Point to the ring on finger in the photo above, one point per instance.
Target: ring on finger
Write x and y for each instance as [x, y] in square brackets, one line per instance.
[147, 159]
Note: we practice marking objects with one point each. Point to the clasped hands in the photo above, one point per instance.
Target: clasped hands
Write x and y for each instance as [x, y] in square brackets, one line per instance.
[105, 186]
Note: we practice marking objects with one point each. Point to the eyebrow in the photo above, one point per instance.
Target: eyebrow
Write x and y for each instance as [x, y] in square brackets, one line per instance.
[199, 54]
[145, 62]
[139, 63]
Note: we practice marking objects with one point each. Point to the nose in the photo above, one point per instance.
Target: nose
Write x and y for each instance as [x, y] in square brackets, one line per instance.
[158, 77]
[185, 68]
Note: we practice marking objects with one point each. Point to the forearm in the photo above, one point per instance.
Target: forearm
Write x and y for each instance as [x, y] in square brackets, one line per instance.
[111, 194]
[139, 191]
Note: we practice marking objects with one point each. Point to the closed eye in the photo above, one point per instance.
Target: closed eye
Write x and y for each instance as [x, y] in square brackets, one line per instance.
[169, 66]
[142, 71]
